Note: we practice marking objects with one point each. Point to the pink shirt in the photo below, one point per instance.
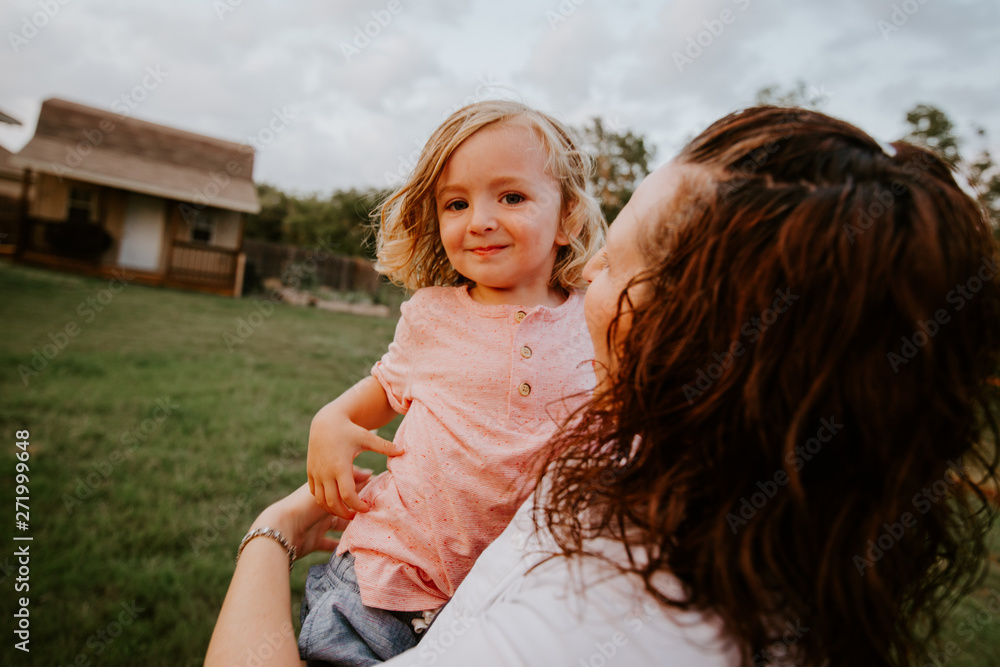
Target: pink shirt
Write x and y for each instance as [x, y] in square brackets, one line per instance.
[483, 388]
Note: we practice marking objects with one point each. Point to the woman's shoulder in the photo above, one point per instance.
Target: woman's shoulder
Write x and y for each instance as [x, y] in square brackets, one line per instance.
[527, 606]
[569, 611]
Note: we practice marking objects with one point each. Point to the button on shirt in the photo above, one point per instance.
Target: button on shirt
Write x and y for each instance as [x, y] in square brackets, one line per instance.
[483, 388]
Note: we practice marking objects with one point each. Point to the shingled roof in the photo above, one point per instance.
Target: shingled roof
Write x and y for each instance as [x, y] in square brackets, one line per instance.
[102, 147]
[6, 169]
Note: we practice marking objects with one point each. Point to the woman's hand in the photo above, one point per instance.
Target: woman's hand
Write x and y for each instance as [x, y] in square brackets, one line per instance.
[303, 522]
[254, 625]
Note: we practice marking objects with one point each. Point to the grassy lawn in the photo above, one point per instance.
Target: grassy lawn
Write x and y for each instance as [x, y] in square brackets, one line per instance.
[158, 431]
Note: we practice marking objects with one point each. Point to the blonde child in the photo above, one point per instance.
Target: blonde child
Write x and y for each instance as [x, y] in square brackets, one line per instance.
[491, 232]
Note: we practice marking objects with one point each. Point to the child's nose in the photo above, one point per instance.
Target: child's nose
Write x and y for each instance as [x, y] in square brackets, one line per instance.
[482, 220]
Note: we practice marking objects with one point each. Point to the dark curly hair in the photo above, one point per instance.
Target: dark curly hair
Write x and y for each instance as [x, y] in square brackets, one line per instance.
[800, 420]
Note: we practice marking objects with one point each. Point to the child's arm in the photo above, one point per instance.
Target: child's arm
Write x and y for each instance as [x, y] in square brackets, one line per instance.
[340, 431]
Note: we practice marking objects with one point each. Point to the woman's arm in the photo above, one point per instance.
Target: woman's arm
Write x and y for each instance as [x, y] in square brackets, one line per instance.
[254, 626]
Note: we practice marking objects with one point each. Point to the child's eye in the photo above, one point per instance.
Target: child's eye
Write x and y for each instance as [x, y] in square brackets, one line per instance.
[457, 205]
[512, 198]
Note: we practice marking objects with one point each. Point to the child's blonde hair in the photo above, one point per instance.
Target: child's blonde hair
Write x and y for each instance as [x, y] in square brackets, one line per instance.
[408, 243]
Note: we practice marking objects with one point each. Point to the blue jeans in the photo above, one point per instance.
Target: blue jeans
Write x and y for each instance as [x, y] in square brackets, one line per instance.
[338, 629]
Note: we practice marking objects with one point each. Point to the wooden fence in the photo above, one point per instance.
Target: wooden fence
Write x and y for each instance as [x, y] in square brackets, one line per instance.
[299, 267]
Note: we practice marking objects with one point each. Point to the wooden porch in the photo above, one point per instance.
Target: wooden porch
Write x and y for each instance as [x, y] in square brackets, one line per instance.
[190, 266]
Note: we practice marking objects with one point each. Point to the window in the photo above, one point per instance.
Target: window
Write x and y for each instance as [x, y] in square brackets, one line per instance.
[82, 205]
[202, 225]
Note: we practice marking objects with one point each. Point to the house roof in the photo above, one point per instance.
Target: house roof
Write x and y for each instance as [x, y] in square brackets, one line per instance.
[7, 170]
[102, 147]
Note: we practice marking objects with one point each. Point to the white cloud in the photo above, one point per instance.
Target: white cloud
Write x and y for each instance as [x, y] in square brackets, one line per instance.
[357, 120]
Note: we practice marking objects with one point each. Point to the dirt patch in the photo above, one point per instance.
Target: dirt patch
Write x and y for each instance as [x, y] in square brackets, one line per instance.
[300, 298]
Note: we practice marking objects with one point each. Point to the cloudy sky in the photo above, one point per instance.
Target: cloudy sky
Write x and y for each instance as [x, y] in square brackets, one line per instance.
[342, 93]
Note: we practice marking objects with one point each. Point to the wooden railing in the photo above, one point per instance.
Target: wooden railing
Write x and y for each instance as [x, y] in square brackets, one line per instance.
[202, 265]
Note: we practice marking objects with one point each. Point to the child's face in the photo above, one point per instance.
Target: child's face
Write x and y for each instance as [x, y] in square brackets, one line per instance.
[499, 212]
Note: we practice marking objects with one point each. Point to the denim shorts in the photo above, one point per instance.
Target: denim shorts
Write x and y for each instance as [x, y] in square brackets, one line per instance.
[338, 629]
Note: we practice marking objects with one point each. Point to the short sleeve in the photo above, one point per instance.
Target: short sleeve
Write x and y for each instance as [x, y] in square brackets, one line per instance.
[394, 370]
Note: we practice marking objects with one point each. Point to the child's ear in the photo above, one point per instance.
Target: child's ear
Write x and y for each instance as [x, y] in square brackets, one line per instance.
[564, 235]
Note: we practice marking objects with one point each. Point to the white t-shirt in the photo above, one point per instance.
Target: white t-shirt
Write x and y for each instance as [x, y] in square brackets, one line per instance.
[574, 612]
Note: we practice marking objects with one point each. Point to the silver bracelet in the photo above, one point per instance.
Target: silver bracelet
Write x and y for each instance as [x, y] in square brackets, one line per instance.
[267, 531]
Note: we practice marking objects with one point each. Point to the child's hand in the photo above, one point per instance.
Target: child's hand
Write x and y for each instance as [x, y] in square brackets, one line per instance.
[334, 443]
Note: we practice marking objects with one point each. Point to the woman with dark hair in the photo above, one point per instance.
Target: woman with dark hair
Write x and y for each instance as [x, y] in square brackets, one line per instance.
[795, 331]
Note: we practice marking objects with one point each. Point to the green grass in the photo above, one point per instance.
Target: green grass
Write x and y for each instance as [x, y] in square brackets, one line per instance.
[136, 513]
[155, 440]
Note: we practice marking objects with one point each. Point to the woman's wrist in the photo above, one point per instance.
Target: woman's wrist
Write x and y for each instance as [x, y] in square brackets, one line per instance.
[274, 517]
[273, 535]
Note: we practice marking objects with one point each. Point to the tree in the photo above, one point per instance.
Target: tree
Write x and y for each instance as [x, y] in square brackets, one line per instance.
[930, 127]
[338, 223]
[809, 97]
[621, 160]
[267, 224]
[984, 177]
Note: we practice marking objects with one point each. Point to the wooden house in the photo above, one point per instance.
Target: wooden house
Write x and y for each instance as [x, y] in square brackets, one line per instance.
[11, 179]
[105, 193]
